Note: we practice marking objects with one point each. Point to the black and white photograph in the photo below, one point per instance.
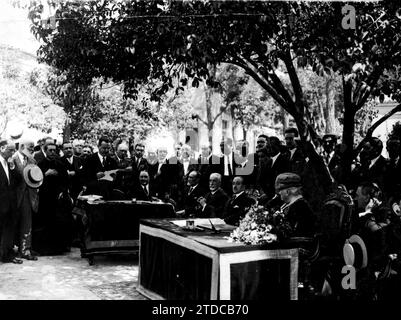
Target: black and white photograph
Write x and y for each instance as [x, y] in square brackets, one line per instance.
[200, 151]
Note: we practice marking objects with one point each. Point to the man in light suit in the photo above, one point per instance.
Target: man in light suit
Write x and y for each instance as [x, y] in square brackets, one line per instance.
[27, 200]
[8, 203]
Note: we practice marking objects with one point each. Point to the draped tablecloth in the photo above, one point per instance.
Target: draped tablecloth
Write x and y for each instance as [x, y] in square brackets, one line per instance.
[113, 226]
[203, 265]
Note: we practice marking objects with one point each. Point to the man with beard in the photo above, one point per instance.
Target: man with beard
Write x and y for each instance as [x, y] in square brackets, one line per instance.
[52, 226]
[27, 200]
[212, 205]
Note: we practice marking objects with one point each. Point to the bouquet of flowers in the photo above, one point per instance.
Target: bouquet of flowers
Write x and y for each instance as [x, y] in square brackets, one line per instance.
[260, 226]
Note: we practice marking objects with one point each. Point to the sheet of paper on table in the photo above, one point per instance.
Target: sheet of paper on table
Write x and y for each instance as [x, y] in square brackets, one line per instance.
[107, 175]
[217, 222]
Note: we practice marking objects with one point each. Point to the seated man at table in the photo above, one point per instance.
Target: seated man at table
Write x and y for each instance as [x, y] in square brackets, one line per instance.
[143, 191]
[239, 203]
[191, 195]
[212, 205]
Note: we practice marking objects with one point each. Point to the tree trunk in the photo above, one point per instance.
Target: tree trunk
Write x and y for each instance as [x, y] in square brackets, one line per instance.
[209, 117]
[67, 130]
[244, 132]
[348, 141]
[329, 111]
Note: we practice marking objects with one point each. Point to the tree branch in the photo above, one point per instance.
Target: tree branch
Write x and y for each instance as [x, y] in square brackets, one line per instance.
[370, 131]
[264, 84]
[294, 78]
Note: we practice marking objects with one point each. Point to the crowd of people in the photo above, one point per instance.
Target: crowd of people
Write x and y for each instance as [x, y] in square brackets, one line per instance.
[35, 212]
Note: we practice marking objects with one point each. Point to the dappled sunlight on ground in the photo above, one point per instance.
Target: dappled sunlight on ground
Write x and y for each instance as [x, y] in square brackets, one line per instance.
[69, 277]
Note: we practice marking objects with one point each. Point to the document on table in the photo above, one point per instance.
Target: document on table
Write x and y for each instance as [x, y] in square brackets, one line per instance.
[201, 222]
[108, 174]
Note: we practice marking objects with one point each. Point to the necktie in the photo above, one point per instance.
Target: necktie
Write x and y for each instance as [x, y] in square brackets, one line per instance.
[103, 162]
[24, 162]
[190, 190]
[146, 190]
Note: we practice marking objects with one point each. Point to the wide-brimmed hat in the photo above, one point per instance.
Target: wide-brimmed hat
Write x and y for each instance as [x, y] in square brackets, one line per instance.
[33, 176]
[287, 180]
[354, 252]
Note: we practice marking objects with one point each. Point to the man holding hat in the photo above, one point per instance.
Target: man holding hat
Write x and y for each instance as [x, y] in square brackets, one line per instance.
[31, 178]
[296, 210]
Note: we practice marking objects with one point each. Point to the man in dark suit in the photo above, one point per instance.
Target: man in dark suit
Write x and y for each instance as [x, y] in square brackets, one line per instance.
[143, 191]
[74, 166]
[212, 205]
[41, 154]
[175, 174]
[228, 164]
[27, 200]
[8, 203]
[377, 166]
[95, 167]
[295, 155]
[52, 225]
[121, 155]
[139, 163]
[208, 163]
[278, 163]
[239, 203]
[331, 155]
[392, 181]
[192, 193]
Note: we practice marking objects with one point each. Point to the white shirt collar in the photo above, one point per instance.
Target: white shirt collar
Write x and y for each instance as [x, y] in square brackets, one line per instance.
[238, 194]
[275, 158]
[20, 156]
[213, 192]
[373, 161]
[292, 151]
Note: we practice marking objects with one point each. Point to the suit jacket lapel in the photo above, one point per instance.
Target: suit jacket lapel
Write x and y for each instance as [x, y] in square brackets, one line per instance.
[3, 173]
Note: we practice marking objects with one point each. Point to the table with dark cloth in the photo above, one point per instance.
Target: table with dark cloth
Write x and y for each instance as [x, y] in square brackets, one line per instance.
[113, 226]
[186, 265]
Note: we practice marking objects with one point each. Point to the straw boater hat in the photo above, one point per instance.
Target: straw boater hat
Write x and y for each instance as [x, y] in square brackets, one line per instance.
[354, 252]
[33, 176]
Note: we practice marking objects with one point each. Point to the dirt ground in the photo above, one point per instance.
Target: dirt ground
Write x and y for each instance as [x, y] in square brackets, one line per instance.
[69, 277]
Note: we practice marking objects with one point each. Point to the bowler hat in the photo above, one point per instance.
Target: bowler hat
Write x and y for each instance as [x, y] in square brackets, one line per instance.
[287, 180]
[355, 253]
[33, 176]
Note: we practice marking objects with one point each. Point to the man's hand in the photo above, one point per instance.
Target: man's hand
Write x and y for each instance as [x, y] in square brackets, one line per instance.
[202, 201]
[51, 172]
[100, 175]
[71, 173]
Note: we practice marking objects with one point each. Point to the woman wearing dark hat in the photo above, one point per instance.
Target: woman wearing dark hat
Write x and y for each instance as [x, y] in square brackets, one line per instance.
[296, 209]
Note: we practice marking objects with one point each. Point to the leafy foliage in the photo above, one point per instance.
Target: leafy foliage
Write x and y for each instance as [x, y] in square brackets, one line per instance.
[133, 42]
[22, 100]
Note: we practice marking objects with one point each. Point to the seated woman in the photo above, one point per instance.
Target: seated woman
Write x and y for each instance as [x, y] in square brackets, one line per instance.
[297, 212]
